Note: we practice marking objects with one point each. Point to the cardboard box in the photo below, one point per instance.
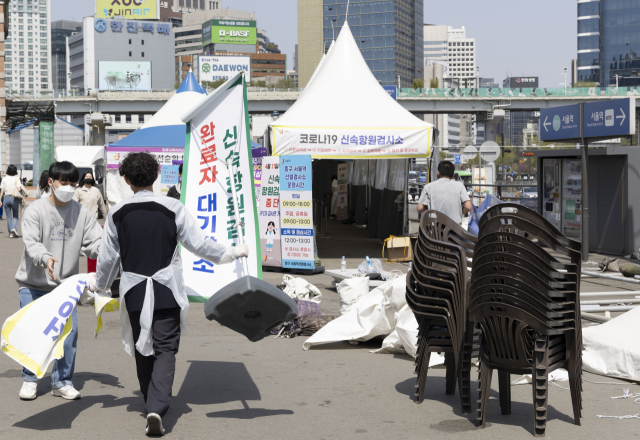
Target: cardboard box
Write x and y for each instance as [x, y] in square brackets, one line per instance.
[399, 249]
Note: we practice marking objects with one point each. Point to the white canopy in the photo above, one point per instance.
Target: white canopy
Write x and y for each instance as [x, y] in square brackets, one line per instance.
[345, 113]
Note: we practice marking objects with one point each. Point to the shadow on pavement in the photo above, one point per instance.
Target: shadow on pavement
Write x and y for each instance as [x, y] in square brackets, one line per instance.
[206, 383]
[521, 413]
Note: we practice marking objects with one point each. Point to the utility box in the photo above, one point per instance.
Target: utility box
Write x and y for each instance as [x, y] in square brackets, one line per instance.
[614, 210]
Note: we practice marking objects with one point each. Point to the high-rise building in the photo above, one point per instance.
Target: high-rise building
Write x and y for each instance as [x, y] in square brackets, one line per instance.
[27, 48]
[388, 33]
[609, 42]
[462, 57]
[4, 14]
[60, 30]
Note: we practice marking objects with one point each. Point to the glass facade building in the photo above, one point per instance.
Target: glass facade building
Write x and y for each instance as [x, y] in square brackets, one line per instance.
[60, 30]
[388, 33]
[609, 42]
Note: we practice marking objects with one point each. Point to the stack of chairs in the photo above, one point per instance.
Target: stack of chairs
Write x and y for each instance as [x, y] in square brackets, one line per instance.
[438, 293]
[526, 304]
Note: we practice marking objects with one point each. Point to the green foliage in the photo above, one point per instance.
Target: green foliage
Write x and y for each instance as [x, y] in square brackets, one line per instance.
[210, 85]
[417, 83]
[273, 47]
[285, 83]
[434, 83]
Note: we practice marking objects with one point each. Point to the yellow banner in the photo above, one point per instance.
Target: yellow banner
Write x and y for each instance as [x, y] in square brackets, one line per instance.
[128, 9]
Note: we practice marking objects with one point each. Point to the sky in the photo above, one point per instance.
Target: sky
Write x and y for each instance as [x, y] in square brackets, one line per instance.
[518, 37]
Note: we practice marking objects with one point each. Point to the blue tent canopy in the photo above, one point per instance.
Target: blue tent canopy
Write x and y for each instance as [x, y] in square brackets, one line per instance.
[169, 136]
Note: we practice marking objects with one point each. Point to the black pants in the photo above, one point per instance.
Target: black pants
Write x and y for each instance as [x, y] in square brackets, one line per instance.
[155, 373]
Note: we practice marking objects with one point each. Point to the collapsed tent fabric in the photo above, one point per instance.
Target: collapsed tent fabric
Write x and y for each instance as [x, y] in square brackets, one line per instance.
[345, 113]
[613, 348]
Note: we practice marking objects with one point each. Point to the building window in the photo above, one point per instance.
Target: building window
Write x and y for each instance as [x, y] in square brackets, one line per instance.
[128, 119]
[142, 54]
[129, 53]
[143, 42]
[129, 40]
[202, 4]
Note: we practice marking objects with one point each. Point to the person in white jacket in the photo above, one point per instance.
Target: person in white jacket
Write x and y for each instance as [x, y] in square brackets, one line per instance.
[141, 238]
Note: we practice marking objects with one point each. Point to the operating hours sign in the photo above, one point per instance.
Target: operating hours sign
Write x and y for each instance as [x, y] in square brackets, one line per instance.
[296, 212]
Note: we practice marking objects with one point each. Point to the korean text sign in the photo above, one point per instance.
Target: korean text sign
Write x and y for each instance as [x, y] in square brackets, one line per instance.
[219, 134]
[296, 212]
[269, 214]
[343, 202]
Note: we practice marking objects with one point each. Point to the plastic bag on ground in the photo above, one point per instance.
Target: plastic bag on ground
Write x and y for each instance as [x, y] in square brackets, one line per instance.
[350, 292]
[376, 267]
[613, 348]
[374, 315]
[301, 289]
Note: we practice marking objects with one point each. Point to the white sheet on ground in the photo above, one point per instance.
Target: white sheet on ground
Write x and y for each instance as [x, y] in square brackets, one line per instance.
[374, 315]
[613, 348]
[558, 375]
[299, 288]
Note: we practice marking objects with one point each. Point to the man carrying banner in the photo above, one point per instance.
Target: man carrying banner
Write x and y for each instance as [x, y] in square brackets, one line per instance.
[55, 230]
[143, 234]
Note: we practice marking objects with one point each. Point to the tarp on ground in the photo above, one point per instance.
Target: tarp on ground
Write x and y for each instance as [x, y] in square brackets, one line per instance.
[613, 348]
[345, 113]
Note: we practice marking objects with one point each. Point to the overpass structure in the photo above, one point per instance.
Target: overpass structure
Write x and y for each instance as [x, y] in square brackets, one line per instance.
[417, 101]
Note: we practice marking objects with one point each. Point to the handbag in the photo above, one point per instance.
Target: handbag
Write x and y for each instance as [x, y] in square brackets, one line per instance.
[18, 191]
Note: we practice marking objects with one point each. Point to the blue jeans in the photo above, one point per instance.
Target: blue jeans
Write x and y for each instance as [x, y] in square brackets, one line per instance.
[13, 211]
[62, 368]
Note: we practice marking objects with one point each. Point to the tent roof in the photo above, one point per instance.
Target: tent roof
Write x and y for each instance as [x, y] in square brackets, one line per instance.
[165, 129]
[345, 94]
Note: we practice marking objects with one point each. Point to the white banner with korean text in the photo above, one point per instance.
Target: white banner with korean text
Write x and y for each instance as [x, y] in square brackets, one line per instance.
[269, 213]
[352, 143]
[217, 133]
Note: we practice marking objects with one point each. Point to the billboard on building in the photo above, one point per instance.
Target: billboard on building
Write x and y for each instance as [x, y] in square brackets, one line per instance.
[129, 9]
[124, 75]
[229, 32]
[212, 68]
[521, 82]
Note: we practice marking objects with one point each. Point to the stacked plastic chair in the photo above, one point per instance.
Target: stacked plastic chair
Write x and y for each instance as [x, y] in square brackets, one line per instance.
[527, 305]
[437, 292]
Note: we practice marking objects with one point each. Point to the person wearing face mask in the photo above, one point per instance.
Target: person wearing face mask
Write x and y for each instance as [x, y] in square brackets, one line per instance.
[176, 189]
[90, 197]
[55, 230]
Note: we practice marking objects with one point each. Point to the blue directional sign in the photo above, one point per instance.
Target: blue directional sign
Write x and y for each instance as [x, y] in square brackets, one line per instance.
[457, 159]
[560, 123]
[613, 118]
[392, 91]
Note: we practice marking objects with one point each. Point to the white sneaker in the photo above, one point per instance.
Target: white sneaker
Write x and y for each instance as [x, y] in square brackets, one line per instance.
[66, 392]
[11, 235]
[154, 425]
[28, 390]
[14, 232]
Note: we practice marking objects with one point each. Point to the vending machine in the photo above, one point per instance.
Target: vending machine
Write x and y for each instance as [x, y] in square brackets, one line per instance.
[562, 195]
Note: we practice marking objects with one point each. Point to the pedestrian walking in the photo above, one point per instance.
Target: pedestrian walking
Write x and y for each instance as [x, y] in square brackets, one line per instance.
[43, 189]
[445, 194]
[142, 237]
[176, 189]
[1, 201]
[55, 229]
[90, 197]
[11, 194]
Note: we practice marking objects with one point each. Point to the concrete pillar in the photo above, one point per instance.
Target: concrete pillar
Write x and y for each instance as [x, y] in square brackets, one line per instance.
[490, 126]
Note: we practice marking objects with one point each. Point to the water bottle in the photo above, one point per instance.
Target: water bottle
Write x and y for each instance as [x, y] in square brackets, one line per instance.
[343, 265]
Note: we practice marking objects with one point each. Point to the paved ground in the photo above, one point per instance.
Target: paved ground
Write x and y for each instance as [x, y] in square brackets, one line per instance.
[227, 387]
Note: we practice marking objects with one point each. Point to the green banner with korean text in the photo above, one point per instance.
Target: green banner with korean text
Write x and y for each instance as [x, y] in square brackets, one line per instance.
[47, 146]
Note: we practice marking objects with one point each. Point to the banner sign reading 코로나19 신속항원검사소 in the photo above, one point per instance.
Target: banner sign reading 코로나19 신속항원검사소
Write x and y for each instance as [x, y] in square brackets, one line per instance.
[296, 212]
[269, 215]
[217, 132]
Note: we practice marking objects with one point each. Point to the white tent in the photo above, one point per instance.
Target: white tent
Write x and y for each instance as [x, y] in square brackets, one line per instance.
[345, 113]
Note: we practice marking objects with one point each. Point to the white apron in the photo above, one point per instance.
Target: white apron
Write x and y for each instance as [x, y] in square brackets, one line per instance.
[171, 277]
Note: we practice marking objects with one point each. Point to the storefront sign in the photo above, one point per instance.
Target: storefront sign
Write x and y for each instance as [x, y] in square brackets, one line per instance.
[218, 133]
[269, 214]
[164, 156]
[296, 212]
[343, 202]
[213, 68]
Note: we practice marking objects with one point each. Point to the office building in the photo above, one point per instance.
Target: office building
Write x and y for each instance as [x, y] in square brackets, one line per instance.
[389, 35]
[189, 36]
[462, 57]
[513, 127]
[60, 30]
[295, 59]
[28, 47]
[609, 42]
[4, 32]
[117, 54]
